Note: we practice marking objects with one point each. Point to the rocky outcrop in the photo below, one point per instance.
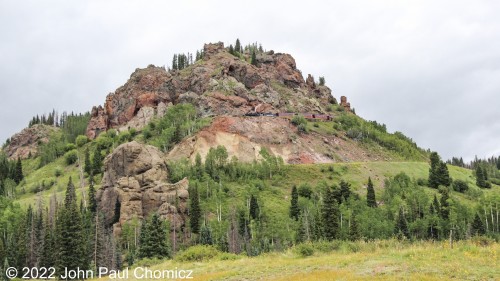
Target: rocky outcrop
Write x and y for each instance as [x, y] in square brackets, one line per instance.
[135, 184]
[26, 142]
[219, 84]
[344, 103]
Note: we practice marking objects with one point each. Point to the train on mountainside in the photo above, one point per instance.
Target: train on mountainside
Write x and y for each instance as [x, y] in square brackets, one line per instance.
[290, 115]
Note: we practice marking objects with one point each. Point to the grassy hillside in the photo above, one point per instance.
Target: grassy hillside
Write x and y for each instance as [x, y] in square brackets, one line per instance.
[377, 260]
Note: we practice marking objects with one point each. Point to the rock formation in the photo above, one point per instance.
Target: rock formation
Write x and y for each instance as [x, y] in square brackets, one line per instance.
[135, 176]
[219, 84]
[28, 140]
[344, 103]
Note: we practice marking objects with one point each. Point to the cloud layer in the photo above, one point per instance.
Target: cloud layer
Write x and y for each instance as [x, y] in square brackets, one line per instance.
[430, 69]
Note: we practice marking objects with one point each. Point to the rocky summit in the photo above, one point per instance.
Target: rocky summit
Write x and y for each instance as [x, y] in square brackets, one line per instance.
[217, 84]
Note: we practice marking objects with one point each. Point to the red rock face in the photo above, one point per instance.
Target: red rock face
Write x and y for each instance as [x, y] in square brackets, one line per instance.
[217, 85]
[27, 141]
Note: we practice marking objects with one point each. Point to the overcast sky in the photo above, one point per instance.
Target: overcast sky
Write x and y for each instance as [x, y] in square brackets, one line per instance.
[430, 69]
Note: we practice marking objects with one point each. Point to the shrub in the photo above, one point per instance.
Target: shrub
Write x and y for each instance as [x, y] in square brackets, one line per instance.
[124, 136]
[69, 147]
[422, 182]
[70, 157]
[81, 140]
[304, 250]
[460, 186]
[305, 191]
[298, 120]
[57, 172]
[316, 125]
[303, 129]
[103, 142]
[198, 253]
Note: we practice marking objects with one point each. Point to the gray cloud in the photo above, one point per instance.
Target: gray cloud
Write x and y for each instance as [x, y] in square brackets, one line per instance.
[427, 68]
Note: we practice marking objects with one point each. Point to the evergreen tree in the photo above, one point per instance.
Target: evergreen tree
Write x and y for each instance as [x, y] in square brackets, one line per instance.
[370, 195]
[444, 205]
[206, 235]
[195, 210]
[254, 208]
[401, 225]
[154, 239]
[237, 46]
[231, 49]
[477, 227]
[330, 214]
[97, 161]
[294, 204]
[69, 239]
[480, 181]
[87, 167]
[443, 174]
[498, 163]
[198, 166]
[301, 234]
[18, 175]
[345, 190]
[92, 199]
[433, 176]
[253, 61]
[146, 248]
[174, 62]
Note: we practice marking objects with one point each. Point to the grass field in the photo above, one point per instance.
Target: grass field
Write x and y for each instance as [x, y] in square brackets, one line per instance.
[377, 260]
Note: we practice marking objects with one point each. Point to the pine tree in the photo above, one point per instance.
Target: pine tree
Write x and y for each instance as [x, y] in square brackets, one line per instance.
[87, 166]
[345, 190]
[253, 61]
[301, 234]
[195, 210]
[206, 235]
[198, 166]
[146, 248]
[158, 237]
[18, 175]
[498, 163]
[92, 199]
[433, 176]
[174, 62]
[254, 208]
[480, 181]
[443, 174]
[69, 238]
[401, 225]
[97, 162]
[370, 195]
[237, 46]
[294, 204]
[231, 49]
[477, 227]
[330, 214]
[444, 205]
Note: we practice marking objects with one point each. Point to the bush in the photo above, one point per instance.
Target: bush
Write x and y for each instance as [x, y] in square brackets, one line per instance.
[124, 136]
[305, 191]
[81, 140]
[303, 129]
[70, 157]
[298, 120]
[69, 147]
[304, 250]
[197, 253]
[57, 172]
[460, 186]
[103, 142]
[422, 182]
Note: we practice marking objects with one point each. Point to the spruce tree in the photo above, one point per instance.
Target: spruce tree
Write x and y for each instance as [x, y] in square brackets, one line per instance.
[159, 237]
[477, 227]
[254, 208]
[97, 161]
[480, 181]
[345, 190]
[18, 175]
[433, 175]
[92, 199]
[231, 49]
[253, 60]
[69, 229]
[195, 210]
[330, 214]
[237, 46]
[301, 234]
[370, 195]
[444, 205]
[401, 225]
[443, 174]
[206, 235]
[87, 167]
[294, 204]
[146, 248]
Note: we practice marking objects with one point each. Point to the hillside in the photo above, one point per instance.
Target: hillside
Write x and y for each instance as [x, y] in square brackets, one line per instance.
[235, 150]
